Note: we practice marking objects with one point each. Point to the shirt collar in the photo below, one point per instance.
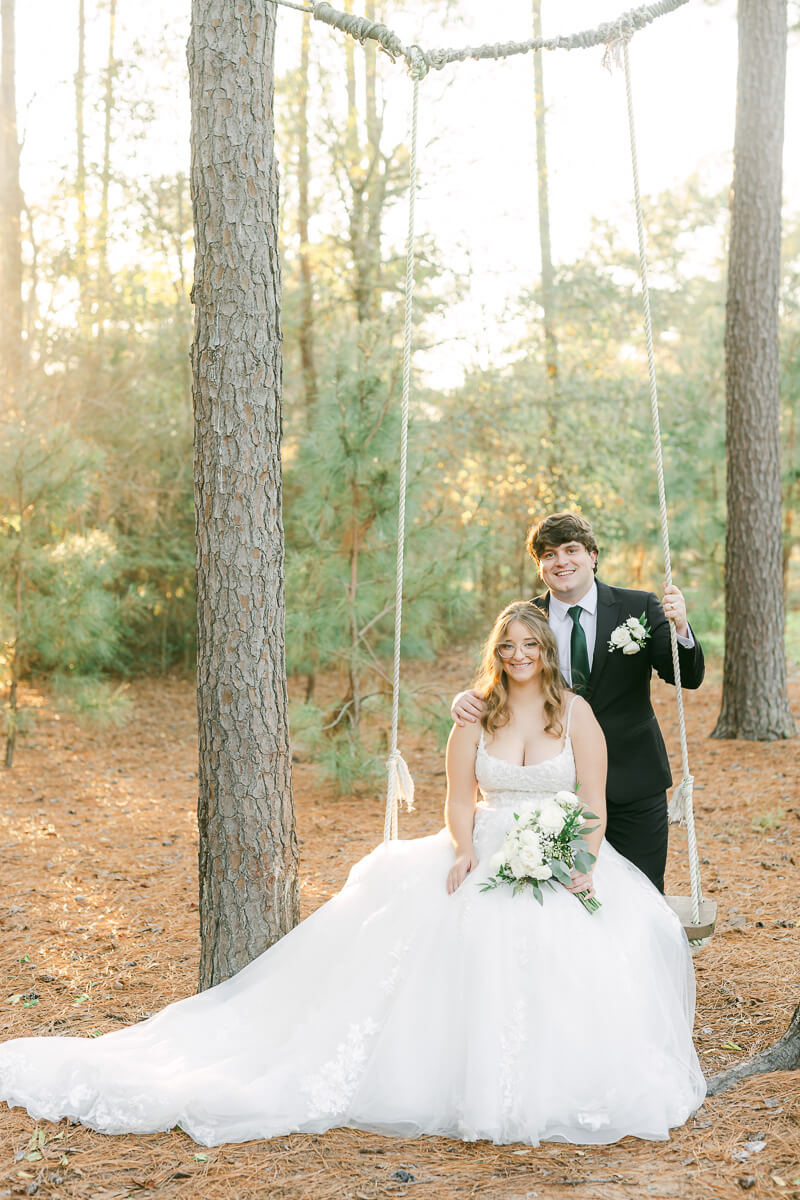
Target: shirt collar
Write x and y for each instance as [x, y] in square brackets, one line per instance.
[587, 601]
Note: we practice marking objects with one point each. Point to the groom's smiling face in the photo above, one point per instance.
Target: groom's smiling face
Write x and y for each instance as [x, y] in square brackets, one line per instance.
[568, 570]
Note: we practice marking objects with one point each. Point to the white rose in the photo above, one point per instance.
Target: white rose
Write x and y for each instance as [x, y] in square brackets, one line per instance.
[631, 648]
[567, 799]
[530, 847]
[496, 861]
[636, 627]
[551, 816]
[540, 872]
[531, 864]
[516, 866]
[620, 637]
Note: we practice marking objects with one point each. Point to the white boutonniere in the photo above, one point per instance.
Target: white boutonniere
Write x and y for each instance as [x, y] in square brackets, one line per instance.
[630, 636]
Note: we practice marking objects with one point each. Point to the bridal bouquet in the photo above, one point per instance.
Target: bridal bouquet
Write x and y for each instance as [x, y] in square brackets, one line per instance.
[543, 846]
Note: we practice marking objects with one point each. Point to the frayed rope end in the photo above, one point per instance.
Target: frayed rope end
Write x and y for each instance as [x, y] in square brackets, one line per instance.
[401, 785]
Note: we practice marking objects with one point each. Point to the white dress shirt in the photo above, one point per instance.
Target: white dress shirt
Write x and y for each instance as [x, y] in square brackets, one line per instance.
[561, 625]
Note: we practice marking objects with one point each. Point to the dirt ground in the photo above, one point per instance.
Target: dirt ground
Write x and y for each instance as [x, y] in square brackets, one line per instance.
[98, 913]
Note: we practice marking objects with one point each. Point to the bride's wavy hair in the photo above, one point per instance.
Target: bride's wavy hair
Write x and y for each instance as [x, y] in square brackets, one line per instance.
[492, 681]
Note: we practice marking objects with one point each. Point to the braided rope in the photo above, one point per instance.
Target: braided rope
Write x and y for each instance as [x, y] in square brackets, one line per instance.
[682, 797]
[420, 61]
[400, 784]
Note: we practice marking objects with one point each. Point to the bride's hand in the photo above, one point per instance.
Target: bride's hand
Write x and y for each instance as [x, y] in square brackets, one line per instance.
[460, 870]
[581, 883]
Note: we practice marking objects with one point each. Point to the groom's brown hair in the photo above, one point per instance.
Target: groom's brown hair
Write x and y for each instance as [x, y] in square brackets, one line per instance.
[557, 529]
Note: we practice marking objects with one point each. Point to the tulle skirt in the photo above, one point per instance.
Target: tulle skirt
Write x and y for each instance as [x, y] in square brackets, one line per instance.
[400, 1009]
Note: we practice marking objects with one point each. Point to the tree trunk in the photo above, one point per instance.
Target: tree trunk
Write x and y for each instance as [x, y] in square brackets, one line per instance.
[783, 1055]
[306, 334]
[792, 501]
[17, 649]
[755, 703]
[248, 848]
[11, 348]
[80, 176]
[547, 288]
[108, 108]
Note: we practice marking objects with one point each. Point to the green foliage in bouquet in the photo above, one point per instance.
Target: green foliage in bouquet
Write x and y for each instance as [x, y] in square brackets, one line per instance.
[543, 847]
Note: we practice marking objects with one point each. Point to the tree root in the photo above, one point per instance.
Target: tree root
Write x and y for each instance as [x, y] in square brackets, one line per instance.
[783, 1055]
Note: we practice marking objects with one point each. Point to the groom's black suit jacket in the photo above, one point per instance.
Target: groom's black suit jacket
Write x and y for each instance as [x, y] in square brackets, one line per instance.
[619, 692]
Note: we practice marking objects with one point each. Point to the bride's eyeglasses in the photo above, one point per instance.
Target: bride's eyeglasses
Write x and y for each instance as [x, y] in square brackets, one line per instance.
[508, 650]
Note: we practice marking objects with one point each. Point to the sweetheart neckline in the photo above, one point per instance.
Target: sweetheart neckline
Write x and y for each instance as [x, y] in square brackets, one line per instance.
[522, 766]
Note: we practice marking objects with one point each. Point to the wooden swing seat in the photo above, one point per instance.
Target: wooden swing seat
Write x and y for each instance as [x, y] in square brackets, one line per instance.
[695, 930]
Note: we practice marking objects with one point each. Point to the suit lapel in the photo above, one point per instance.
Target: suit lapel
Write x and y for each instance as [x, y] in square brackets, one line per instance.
[608, 611]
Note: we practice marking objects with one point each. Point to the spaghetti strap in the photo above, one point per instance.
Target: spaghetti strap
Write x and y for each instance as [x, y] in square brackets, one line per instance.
[569, 716]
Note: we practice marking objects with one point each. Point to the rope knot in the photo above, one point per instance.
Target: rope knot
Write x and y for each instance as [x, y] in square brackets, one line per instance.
[612, 56]
[400, 788]
[417, 62]
[401, 785]
[681, 801]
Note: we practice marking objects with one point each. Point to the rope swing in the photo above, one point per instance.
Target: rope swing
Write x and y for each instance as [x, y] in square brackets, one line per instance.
[401, 785]
[697, 915]
[420, 62]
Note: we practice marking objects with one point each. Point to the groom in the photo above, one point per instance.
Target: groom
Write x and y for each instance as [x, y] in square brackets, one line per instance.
[587, 616]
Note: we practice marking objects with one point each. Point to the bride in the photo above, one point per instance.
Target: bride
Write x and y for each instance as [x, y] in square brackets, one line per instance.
[414, 1002]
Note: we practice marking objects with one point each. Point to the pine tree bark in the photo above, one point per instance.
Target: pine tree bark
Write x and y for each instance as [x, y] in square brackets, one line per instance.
[306, 331]
[11, 348]
[248, 848]
[104, 276]
[81, 254]
[547, 287]
[755, 703]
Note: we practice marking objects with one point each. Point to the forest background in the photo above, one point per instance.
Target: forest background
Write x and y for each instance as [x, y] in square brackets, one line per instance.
[96, 476]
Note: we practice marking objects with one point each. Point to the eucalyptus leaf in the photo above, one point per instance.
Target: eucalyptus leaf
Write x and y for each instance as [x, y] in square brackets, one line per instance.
[561, 873]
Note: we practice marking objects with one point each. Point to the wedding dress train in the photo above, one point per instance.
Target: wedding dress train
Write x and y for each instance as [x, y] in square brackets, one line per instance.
[401, 1009]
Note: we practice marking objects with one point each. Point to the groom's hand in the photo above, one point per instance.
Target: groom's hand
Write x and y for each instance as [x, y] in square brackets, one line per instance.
[675, 610]
[467, 708]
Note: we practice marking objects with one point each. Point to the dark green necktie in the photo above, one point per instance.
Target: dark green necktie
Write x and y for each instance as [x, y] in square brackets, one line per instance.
[579, 655]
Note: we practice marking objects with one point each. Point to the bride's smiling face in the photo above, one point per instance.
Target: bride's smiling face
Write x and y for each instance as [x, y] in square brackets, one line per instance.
[520, 653]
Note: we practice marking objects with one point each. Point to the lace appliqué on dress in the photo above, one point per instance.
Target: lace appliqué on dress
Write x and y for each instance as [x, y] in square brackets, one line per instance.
[332, 1088]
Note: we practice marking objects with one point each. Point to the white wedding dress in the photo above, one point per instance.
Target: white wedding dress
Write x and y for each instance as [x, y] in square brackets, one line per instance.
[400, 1009]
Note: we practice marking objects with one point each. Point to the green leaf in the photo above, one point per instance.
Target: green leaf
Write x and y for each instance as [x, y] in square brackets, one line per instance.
[560, 871]
[731, 1046]
[201, 1157]
[584, 861]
